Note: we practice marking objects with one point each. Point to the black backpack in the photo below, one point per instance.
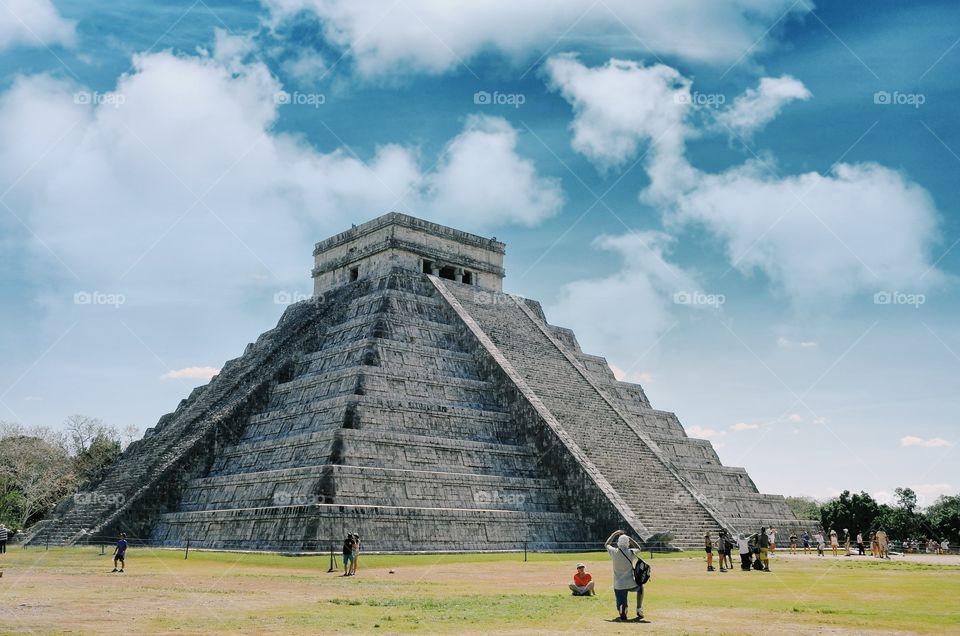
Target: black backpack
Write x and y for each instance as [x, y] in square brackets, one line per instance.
[641, 570]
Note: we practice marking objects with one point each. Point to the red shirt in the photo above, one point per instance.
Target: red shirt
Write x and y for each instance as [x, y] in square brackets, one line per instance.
[580, 580]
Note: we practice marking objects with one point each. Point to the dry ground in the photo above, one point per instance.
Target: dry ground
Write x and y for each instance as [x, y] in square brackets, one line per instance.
[72, 591]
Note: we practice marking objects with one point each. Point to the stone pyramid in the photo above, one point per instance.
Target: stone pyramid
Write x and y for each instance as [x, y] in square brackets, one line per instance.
[412, 401]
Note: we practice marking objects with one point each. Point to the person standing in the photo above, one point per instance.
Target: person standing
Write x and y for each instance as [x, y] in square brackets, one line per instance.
[860, 547]
[622, 557]
[347, 554]
[764, 542]
[743, 545]
[708, 548]
[805, 537]
[356, 555]
[4, 535]
[884, 543]
[793, 543]
[834, 543]
[821, 544]
[582, 582]
[120, 553]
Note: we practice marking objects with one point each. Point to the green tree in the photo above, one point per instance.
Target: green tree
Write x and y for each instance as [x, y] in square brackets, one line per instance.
[853, 512]
[805, 508]
[943, 516]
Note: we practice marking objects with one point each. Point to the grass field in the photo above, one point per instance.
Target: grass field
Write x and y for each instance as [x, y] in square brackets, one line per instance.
[70, 590]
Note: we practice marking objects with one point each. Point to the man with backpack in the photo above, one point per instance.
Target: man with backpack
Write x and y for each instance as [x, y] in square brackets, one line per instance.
[630, 572]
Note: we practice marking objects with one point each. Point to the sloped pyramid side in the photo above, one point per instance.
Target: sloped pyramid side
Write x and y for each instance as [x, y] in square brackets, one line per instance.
[675, 484]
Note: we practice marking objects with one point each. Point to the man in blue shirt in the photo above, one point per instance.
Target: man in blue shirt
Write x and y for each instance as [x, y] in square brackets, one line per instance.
[120, 553]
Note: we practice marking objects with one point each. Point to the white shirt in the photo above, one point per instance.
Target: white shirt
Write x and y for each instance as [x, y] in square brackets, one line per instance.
[744, 545]
[818, 538]
[622, 567]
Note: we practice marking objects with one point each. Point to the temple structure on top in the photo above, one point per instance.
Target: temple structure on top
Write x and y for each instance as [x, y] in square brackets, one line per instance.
[425, 409]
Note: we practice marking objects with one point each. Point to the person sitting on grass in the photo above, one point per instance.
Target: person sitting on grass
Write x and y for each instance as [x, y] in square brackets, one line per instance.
[622, 556]
[582, 582]
[120, 553]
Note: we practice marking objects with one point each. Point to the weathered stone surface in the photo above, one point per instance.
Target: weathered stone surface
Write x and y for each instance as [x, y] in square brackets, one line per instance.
[423, 412]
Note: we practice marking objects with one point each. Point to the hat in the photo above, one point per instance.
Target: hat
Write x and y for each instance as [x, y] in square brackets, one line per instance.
[581, 565]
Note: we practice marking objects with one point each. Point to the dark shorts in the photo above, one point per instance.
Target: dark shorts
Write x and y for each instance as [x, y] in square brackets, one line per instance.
[347, 557]
[724, 552]
[708, 550]
[120, 556]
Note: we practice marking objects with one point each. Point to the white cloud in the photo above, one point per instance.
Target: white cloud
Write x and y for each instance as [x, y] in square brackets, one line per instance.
[704, 433]
[33, 23]
[636, 377]
[114, 186]
[795, 418]
[819, 238]
[743, 426]
[757, 107]
[640, 292]
[786, 343]
[191, 373]
[383, 37]
[933, 442]
[620, 106]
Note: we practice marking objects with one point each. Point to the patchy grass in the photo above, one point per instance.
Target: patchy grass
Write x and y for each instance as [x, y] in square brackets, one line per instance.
[71, 590]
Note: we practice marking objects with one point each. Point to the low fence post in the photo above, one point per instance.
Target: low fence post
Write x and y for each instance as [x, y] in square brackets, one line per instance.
[186, 552]
[524, 551]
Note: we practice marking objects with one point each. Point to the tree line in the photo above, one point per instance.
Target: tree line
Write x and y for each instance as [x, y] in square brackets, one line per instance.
[902, 519]
[39, 466]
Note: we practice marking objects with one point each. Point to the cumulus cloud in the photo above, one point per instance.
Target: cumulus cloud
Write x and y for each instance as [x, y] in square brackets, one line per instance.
[179, 172]
[191, 373]
[819, 238]
[757, 107]
[704, 433]
[620, 106]
[33, 23]
[383, 37]
[739, 427]
[642, 290]
[932, 442]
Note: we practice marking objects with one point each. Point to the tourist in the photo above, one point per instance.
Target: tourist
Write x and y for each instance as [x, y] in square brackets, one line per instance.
[772, 534]
[846, 541]
[347, 554]
[945, 547]
[793, 543]
[708, 546]
[860, 547]
[622, 557]
[722, 550]
[834, 543]
[883, 543]
[4, 534]
[805, 537]
[729, 543]
[821, 544]
[582, 582]
[120, 553]
[764, 541]
[356, 555]
[743, 545]
[874, 544]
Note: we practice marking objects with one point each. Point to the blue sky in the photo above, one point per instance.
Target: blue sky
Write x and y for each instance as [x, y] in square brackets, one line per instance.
[165, 170]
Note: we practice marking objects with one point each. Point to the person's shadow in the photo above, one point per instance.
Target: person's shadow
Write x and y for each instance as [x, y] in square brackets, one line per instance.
[630, 620]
